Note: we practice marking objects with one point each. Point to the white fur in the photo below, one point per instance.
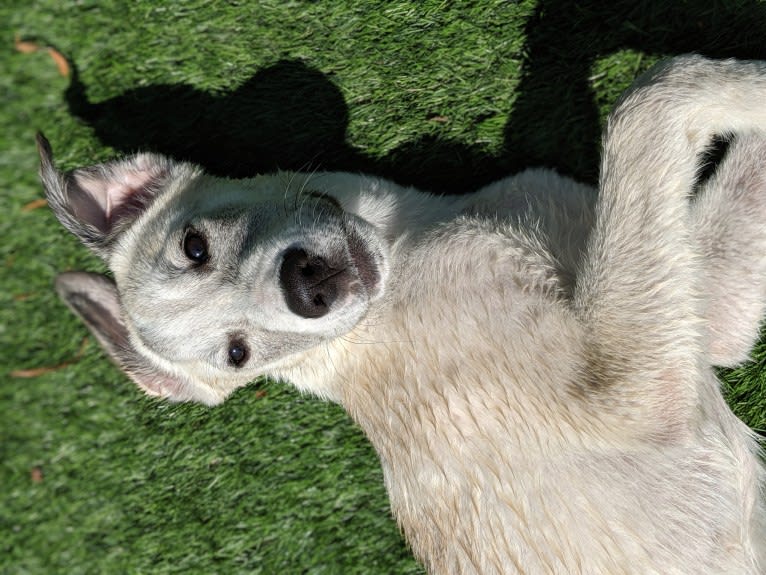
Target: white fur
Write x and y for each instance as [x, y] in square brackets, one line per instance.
[534, 368]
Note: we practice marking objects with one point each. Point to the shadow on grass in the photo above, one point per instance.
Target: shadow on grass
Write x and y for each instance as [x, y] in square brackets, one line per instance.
[564, 39]
[291, 116]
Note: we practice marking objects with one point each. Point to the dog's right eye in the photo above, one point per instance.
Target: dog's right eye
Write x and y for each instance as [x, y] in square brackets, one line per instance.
[195, 247]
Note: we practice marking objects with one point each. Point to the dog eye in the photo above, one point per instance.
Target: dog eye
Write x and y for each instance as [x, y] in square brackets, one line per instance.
[195, 247]
[238, 353]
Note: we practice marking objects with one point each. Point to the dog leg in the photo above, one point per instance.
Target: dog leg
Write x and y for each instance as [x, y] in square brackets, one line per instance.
[729, 227]
[639, 286]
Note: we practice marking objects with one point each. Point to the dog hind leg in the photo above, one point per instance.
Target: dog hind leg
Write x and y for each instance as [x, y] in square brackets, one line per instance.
[639, 285]
[729, 228]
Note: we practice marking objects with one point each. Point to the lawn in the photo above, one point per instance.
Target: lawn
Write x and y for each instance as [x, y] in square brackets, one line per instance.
[96, 478]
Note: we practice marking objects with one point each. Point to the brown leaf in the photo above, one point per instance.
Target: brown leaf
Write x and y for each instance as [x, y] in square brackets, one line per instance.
[25, 46]
[34, 204]
[61, 62]
[36, 474]
[38, 371]
[29, 47]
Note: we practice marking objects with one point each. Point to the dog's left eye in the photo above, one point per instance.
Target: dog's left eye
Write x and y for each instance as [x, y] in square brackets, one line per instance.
[195, 247]
[238, 353]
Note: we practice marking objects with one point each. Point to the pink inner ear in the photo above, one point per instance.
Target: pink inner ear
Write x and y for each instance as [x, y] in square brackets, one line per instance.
[131, 191]
[104, 197]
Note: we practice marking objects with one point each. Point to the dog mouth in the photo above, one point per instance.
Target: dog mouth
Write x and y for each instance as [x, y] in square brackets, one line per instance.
[313, 284]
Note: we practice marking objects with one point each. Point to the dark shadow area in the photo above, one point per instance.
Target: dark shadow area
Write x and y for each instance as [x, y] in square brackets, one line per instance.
[564, 39]
[287, 116]
[290, 116]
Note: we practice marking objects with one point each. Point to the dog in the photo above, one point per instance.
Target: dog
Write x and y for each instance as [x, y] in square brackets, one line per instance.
[533, 362]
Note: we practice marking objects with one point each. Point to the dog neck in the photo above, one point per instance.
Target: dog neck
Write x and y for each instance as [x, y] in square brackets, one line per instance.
[456, 393]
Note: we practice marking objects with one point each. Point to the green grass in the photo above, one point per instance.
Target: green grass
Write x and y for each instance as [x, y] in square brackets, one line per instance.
[96, 478]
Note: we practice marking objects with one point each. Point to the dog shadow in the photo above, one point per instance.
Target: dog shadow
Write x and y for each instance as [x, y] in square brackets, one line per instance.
[292, 116]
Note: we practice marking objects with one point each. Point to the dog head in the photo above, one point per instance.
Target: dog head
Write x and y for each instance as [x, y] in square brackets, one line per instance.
[215, 281]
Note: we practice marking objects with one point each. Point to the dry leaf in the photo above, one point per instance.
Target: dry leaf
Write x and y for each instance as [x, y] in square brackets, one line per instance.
[24, 46]
[36, 474]
[29, 47]
[38, 371]
[61, 62]
[34, 204]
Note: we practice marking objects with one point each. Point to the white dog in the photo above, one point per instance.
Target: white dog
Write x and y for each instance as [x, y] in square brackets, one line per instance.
[533, 366]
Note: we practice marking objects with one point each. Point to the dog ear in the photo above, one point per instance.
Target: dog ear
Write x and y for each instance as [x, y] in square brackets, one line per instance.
[96, 202]
[94, 298]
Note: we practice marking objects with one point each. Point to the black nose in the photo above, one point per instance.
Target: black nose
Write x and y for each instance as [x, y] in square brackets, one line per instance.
[310, 284]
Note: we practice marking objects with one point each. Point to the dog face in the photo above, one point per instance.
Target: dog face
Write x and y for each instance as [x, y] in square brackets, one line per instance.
[215, 281]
